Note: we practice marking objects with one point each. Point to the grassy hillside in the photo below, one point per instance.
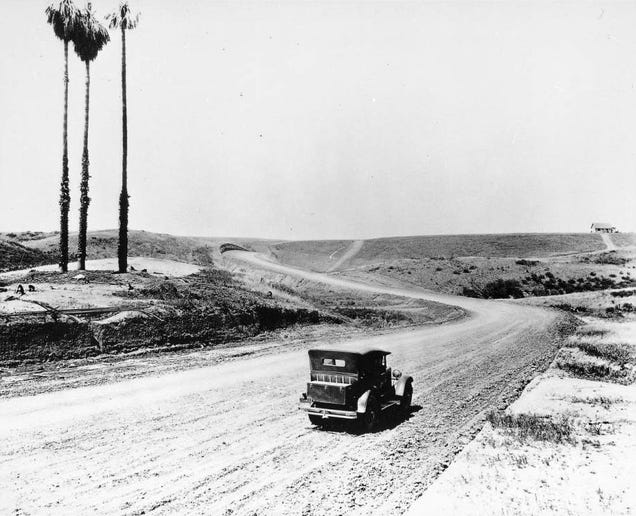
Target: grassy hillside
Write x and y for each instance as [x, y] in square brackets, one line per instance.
[319, 255]
[497, 246]
[14, 255]
[623, 239]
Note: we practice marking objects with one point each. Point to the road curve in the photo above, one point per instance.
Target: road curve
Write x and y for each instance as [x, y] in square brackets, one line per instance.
[228, 439]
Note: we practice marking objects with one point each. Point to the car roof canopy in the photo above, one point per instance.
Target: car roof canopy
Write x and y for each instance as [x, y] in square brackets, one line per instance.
[348, 361]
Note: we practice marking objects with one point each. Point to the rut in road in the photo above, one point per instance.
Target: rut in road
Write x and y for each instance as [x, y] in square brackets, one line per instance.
[228, 439]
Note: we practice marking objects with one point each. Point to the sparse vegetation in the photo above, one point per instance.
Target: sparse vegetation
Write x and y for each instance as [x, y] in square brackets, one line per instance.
[609, 258]
[532, 426]
[604, 401]
[621, 354]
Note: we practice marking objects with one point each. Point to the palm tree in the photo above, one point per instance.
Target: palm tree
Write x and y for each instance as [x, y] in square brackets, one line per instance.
[124, 20]
[89, 38]
[63, 17]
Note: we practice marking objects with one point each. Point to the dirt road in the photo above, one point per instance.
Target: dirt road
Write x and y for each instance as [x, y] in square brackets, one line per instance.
[228, 439]
[351, 251]
[607, 240]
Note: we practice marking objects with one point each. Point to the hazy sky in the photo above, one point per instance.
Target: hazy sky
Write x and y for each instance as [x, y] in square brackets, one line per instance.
[332, 119]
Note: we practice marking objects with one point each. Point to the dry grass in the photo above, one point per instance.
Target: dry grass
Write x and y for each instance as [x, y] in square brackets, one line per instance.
[532, 426]
[586, 331]
[604, 401]
[621, 354]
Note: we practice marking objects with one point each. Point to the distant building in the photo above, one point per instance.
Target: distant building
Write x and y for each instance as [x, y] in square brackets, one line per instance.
[602, 227]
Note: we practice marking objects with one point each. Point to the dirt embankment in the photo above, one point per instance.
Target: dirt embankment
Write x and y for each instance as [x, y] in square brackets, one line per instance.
[168, 305]
[126, 312]
[566, 446]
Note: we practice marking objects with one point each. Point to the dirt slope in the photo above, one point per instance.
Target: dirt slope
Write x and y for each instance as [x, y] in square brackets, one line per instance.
[228, 439]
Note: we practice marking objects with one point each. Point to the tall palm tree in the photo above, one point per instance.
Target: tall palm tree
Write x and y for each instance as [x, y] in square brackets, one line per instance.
[124, 20]
[63, 18]
[89, 38]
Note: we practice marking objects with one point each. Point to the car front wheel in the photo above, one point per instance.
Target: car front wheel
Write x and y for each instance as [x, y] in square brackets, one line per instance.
[405, 401]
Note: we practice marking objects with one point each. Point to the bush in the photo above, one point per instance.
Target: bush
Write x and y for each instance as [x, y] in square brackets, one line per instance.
[528, 263]
[503, 289]
[623, 293]
[469, 292]
[569, 308]
[610, 259]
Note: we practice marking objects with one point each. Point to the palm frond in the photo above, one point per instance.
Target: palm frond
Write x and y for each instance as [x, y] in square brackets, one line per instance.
[123, 17]
[90, 36]
[63, 18]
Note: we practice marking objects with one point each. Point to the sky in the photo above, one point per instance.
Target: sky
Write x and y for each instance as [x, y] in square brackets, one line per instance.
[301, 120]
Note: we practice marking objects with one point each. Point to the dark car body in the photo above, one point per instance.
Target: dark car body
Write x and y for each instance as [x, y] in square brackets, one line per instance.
[343, 384]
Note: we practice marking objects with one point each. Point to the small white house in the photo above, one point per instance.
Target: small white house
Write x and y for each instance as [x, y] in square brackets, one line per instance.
[603, 227]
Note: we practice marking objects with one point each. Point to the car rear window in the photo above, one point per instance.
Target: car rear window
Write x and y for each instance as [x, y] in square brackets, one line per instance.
[338, 362]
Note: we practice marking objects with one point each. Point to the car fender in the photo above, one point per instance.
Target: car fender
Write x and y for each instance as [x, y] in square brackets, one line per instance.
[401, 385]
[362, 402]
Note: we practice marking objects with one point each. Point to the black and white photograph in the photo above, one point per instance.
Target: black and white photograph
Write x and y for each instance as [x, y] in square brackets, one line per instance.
[318, 257]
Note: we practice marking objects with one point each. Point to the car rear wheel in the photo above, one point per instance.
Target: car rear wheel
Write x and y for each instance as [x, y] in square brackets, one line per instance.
[370, 419]
[405, 401]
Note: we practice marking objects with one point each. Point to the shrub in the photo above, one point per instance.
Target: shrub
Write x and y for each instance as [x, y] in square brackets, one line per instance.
[569, 308]
[502, 289]
[610, 258]
[469, 292]
[623, 293]
[528, 263]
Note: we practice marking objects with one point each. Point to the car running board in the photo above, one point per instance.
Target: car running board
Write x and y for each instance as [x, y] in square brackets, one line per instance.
[389, 404]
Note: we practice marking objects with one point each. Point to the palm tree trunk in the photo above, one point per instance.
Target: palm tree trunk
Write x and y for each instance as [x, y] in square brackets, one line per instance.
[84, 198]
[122, 250]
[65, 196]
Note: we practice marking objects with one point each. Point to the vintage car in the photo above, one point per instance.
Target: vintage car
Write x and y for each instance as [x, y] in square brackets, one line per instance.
[356, 386]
